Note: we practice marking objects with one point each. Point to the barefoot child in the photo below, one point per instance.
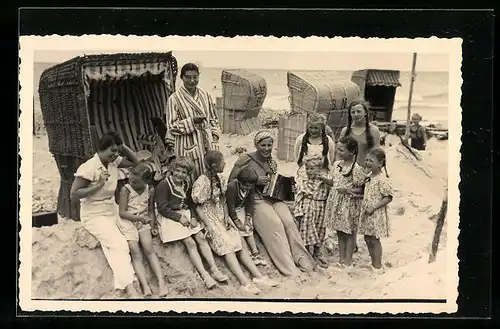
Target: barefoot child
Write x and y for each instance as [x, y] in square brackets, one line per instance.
[344, 202]
[378, 193]
[223, 236]
[177, 220]
[310, 204]
[136, 213]
[240, 200]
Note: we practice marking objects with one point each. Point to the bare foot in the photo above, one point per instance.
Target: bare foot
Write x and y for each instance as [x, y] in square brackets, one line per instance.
[163, 292]
[148, 292]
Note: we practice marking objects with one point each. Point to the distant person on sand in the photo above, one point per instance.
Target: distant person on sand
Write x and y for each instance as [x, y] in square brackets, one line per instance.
[344, 201]
[177, 220]
[208, 194]
[314, 141]
[192, 120]
[418, 134]
[240, 200]
[310, 205]
[94, 185]
[137, 212]
[374, 220]
[272, 219]
[359, 127]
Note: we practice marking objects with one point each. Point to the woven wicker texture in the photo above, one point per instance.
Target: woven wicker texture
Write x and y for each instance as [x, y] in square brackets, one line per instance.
[243, 90]
[319, 92]
[82, 98]
[290, 127]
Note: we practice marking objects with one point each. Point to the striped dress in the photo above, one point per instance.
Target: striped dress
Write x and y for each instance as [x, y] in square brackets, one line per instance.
[190, 139]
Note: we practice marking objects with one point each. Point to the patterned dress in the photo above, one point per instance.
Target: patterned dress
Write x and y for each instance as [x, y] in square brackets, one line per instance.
[310, 204]
[138, 204]
[377, 225]
[342, 210]
[222, 241]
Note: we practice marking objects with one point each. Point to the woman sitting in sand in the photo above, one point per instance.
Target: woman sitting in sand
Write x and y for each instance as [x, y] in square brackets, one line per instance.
[272, 219]
[418, 134]
[94, 185]
[177, 220]
[137, 212]
[222, 235]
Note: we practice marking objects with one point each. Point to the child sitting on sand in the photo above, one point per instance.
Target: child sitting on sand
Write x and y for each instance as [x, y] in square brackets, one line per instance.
[240, 200]
[310, 204]
[418, 134]
[177, 220]
[222, 235]
[344, 201]
[378, 193]
[137, 212]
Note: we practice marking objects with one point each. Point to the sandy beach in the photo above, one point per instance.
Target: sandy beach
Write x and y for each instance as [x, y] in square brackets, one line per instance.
[78, 268]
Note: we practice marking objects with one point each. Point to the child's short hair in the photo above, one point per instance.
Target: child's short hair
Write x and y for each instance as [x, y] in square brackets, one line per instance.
[416, 116]
[247, 175]
[141, 170]
[182, 162]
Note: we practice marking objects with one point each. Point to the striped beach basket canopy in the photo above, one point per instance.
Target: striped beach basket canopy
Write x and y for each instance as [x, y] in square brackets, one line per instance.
[86, 96]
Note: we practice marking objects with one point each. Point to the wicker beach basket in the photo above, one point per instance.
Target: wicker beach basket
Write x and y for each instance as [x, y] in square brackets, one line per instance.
[84, 97]
[243, 91]
[320, 92]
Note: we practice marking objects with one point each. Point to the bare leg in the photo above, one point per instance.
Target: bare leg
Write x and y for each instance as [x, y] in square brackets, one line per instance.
[206, 251]
[138, 264]
[194, 255]
[235, 267]
[377, 253]
[350, 240]
[342, 246]
[252, 245]
[369, 245]
[247, 261]
[147, 246]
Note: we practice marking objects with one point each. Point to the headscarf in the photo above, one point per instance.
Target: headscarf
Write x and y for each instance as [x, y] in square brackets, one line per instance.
[261, 135]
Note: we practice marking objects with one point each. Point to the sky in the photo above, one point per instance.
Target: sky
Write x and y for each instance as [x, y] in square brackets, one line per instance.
[285, 60]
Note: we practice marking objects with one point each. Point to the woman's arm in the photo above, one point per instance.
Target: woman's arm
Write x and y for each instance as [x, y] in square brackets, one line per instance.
[331, 150]
[123, 204]
[81, 189]
[384, 202]
[175, 125]
[130, 160]
[375, 135]
[231, 195]
[151, 205]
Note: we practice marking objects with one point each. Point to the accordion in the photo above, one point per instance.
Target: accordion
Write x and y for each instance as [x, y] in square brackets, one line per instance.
[280, 188]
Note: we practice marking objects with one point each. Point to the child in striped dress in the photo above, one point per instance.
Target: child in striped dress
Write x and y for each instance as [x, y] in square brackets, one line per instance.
[136, 213]
[310, 204]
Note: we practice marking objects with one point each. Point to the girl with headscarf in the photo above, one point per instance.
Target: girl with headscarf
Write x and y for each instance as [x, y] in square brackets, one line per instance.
[272, 219]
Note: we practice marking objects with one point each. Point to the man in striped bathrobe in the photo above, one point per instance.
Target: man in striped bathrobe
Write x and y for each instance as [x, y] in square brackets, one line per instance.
[192, 120]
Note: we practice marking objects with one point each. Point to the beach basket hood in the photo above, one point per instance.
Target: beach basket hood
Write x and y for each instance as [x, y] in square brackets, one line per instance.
[320, 92]
[243, 90]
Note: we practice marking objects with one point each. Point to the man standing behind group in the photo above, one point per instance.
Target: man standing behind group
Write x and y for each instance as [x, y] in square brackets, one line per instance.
[192, 120]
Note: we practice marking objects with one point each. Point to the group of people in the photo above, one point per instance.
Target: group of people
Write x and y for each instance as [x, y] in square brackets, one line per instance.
[343, 187]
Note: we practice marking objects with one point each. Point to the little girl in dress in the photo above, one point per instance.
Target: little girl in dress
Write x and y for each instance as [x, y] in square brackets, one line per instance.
[222, 235]
[310, 204]
[136, 203]
[240, 200]
[374, 220]
[344, 202]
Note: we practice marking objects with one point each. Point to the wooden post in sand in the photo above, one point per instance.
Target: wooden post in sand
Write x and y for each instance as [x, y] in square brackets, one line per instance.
[408, 116]
[439, 228]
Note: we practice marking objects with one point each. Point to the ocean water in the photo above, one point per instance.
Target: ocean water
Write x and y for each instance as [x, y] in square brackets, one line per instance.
[430, 91]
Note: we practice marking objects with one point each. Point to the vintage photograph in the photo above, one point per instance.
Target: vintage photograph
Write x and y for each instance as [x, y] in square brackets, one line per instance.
[269, 173]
